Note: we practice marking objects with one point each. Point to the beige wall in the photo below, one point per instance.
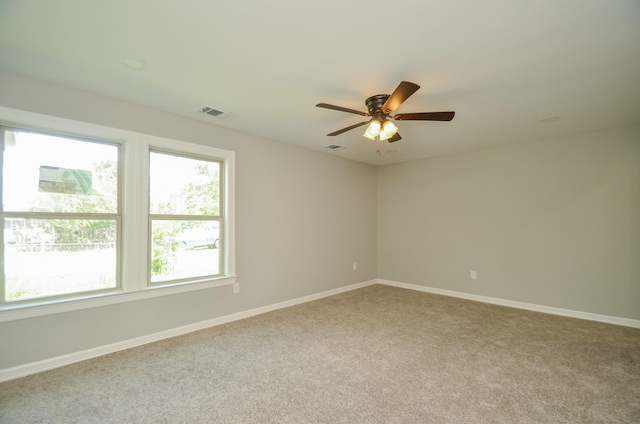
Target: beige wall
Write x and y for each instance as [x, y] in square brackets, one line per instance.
[302, 219]
[553, 223]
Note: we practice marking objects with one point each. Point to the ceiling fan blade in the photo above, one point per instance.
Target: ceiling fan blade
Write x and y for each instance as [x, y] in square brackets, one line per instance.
[396, 137]
[348, 128]
[403, 91]
[425, 116]
[342, 109]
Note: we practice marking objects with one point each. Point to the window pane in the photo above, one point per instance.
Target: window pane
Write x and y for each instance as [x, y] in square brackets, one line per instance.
[45, 257]
[183, 186]
[184, 249]
[45, 173]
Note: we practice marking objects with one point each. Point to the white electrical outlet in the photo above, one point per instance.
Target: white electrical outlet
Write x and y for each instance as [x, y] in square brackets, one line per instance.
[355, 266]
[473, 275]
[236, 287]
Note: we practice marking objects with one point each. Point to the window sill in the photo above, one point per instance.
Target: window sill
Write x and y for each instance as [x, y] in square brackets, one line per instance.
[15, 312]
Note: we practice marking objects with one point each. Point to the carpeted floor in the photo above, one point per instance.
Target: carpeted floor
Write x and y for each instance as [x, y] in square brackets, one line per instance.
[375, 355]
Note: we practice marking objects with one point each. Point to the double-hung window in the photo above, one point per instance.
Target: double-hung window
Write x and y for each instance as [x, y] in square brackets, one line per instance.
[94, 215]
[61, 215]
[185, 217]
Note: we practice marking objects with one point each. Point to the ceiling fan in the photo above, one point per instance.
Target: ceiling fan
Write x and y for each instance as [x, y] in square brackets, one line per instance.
[380, 108]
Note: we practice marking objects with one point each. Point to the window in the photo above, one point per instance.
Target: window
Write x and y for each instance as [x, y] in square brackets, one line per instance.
[185, 217]
[61, 215]
[94, 215]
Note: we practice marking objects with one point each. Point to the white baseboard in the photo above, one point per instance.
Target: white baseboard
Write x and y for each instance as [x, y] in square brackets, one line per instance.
[48, 364]
[519, 305]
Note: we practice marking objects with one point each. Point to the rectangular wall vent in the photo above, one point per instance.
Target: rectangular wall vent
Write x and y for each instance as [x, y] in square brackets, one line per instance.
[333, 147]
[215, 112]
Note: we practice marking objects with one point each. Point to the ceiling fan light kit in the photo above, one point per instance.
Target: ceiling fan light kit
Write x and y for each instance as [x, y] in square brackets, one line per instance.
[380, 108]
[384, 130]
[389, 129]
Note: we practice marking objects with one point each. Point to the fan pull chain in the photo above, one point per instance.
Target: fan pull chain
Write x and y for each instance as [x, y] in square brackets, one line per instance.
[378, 142]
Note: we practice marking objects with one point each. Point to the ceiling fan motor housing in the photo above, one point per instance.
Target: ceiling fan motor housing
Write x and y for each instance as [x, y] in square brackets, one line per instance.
[374, 105]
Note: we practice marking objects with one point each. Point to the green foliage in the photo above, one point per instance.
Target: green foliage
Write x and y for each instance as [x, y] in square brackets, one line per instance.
[162, 248]
[19, 293]
[159, 265]
[203, 197]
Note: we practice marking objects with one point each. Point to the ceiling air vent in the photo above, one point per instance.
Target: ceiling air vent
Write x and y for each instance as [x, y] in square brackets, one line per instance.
[333, 147]
[215, 112]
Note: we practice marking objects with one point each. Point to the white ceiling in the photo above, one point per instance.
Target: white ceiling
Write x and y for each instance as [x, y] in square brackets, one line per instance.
[501, 65]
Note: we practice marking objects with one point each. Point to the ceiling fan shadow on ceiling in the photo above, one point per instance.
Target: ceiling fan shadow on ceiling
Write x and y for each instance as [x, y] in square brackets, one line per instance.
[380, 108]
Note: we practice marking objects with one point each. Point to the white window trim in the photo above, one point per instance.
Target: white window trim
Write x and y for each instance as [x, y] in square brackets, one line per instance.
[135, 213]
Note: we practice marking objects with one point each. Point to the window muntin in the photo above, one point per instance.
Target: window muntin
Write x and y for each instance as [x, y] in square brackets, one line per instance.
[59, 214]
[185, 204]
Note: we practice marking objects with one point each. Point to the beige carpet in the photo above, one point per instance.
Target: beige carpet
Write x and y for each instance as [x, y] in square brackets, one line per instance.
[374, 355]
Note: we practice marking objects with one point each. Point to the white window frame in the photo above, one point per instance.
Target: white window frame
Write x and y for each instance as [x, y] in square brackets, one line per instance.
[135, 227]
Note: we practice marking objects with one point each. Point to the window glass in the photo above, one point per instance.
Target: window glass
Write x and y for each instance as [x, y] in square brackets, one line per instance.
[184, 249]
[46, 173]
[52, 257]
[183, 186]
